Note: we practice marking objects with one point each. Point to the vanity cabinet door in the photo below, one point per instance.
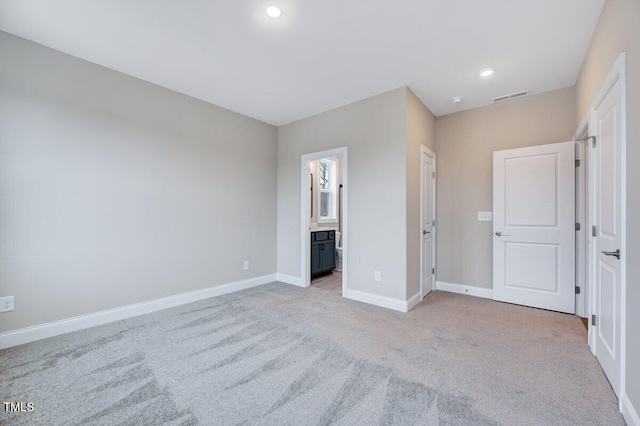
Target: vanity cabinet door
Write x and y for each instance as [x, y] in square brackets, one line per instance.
[328, 256]
[315, 258]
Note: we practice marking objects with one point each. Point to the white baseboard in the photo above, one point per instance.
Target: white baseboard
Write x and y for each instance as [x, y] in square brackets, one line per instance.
[374, 299]
[288, 279]
[487, 293]
[628, 411]
[56, 328]
[413, 301]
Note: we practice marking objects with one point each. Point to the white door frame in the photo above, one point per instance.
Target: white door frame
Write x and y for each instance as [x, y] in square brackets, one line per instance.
[617, 73]
[426, 151]
[582, 218]
[305, 214]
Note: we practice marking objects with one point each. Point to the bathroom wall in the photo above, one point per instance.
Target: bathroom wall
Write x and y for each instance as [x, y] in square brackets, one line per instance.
[115, 191]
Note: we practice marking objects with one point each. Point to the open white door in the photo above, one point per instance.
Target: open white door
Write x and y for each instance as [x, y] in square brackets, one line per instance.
[608, 231]
[534, 226]
[427, 220]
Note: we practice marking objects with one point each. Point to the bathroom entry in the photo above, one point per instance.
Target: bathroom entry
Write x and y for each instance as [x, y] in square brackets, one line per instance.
[323, 239]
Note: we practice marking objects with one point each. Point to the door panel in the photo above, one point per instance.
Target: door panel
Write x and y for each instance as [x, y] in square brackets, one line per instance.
[607, 299]
[607, 160]
[532, 266]
[531, 191]
[534, 226]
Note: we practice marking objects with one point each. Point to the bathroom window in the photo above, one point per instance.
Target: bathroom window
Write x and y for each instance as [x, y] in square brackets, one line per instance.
[327, 175]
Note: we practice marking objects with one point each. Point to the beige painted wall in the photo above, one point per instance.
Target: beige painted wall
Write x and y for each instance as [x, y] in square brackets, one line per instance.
[465, 143]
[115, 191]
[421, 130]
[374, 130]
[618, 30]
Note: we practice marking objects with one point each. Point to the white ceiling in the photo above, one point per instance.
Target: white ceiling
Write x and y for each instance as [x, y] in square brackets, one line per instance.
[320, 54]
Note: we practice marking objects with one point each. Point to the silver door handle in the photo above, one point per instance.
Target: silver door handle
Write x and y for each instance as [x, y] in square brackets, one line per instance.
[425, 232]
[612, 253]
[500, 234]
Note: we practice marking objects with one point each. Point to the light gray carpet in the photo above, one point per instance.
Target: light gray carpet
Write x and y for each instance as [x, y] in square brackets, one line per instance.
[283, 355]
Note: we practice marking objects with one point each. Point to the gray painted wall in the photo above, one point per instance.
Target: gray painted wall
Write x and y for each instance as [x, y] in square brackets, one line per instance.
[618, 31]
[115, 191]
[374, 130]
[465, 142]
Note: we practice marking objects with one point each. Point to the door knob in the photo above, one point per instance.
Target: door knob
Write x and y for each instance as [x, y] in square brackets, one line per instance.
[500, 234]
[612, 253]
[425, 232]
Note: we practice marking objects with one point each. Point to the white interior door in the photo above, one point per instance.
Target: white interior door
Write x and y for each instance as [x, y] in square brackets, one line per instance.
[607, 241]
[534, 226]
[427, 219]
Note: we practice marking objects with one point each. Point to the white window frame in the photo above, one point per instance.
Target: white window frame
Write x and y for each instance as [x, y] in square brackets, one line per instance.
[333, 191]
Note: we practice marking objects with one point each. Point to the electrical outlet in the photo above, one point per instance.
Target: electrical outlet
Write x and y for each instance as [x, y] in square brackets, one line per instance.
[6, 304]
[377, 276]
[485, 216]
[246, 265]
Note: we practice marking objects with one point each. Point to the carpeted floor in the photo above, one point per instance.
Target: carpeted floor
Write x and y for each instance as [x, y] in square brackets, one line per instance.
[284, 355]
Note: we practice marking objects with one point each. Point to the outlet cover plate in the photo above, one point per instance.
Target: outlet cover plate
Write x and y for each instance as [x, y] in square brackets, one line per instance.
[6, 304]
[485, 216]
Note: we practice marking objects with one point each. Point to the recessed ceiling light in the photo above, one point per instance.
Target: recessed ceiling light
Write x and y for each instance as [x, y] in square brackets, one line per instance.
[274, 11]
[486, 73]
[456, 100]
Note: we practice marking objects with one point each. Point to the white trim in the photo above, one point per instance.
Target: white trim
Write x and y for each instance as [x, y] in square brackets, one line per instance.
[426, 151]
[68, 325]
[616, 72]
[628, 411]
[623, 224]
[581, 246]
[288, 279]
[376, 300]
[413, 301]
[305, 256]
[486, 293]
[582, 130]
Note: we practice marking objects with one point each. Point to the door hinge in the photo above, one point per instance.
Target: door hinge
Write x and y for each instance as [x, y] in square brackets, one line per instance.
[577, 163]
[577, 290]
[577, 226]
[434, 175]
[593, 141]
[433, 223]
[593, 320]
[433, 271]
[593, 231]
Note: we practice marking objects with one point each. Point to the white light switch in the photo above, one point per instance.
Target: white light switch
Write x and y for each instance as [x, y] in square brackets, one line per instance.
[485, 216]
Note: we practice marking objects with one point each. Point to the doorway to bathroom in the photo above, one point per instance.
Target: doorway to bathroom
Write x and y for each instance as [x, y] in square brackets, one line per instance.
[323, 239]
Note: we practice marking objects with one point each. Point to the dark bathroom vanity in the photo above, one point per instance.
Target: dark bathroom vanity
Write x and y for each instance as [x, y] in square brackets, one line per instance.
[323, 252]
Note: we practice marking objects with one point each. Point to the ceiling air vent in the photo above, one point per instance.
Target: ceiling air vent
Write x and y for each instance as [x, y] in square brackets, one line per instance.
[511, 96]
